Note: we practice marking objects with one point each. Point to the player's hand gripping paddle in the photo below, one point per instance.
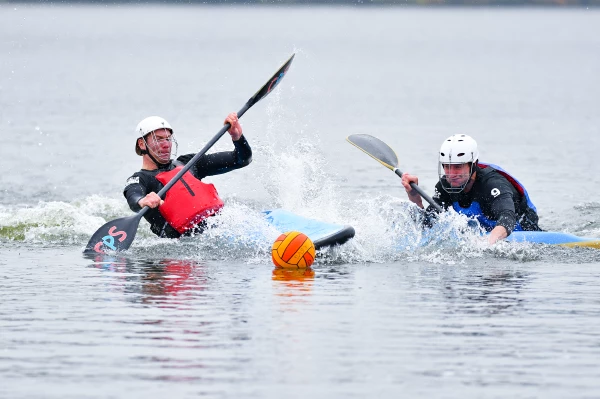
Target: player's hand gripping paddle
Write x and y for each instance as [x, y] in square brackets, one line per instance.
[118, 234]
[382, 153]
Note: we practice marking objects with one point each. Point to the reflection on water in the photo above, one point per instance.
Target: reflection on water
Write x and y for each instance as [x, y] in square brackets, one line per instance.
[302, 275]
[171, 278]
[204, 327]
[162, 282]
[292, 287]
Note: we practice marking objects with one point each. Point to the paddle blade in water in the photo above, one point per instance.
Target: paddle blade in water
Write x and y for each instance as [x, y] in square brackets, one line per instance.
[116, 235]
[271, 84]
[375, 148]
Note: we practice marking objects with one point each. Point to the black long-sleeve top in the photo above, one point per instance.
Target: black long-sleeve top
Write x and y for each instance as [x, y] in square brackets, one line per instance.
[498, 198]
[144, 181]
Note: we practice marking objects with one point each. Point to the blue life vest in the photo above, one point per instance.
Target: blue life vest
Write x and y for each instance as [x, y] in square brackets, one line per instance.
[474, 210]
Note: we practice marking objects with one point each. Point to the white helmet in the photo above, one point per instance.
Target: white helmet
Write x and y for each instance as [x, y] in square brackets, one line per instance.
[457, 149]
[150, 125]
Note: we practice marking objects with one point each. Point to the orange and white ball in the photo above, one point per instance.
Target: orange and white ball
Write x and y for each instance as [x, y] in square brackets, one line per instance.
[293, 250]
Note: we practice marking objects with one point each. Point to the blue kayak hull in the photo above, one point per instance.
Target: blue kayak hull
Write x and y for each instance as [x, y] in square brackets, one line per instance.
[322, 234]
[553, 238]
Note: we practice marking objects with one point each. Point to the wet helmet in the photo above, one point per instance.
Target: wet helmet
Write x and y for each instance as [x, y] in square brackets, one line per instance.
[457, 149]
[159, 154]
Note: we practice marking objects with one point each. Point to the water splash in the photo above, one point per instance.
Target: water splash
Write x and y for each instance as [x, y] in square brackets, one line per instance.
[297, 178]
[385, 232]
[48, 222]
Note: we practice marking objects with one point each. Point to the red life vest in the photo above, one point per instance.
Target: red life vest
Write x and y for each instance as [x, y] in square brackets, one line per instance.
[189, 201]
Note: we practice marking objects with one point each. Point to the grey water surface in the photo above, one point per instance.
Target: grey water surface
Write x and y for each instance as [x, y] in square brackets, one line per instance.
[209, 316]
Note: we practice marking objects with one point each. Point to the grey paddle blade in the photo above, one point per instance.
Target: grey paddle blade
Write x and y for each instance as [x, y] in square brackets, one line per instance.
[271, 84]
[380, 151]
[375, 148]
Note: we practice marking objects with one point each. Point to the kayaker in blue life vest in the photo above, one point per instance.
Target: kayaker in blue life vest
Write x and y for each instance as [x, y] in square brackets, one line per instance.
[189, 202]
[483, 191]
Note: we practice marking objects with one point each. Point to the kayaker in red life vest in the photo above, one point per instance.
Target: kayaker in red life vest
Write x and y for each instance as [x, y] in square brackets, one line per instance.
[189, 202]
[483, 191]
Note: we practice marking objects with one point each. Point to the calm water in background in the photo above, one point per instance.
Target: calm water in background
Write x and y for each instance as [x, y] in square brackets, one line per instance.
[206, 316]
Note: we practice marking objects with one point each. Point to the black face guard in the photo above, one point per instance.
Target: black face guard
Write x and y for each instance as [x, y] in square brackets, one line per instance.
[163, 158]
[447, 186]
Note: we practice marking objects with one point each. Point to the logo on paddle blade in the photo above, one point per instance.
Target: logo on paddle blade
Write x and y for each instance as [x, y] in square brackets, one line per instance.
[276, 79]
[109, 240]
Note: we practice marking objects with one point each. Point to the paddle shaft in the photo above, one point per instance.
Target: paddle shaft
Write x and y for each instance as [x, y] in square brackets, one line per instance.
[421, 192]
[196, 157]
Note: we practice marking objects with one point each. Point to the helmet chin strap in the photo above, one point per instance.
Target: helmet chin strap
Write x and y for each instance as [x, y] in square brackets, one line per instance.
[156, 162]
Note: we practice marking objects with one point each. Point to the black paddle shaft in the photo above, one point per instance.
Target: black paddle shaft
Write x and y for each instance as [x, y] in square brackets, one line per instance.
[421, 192]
